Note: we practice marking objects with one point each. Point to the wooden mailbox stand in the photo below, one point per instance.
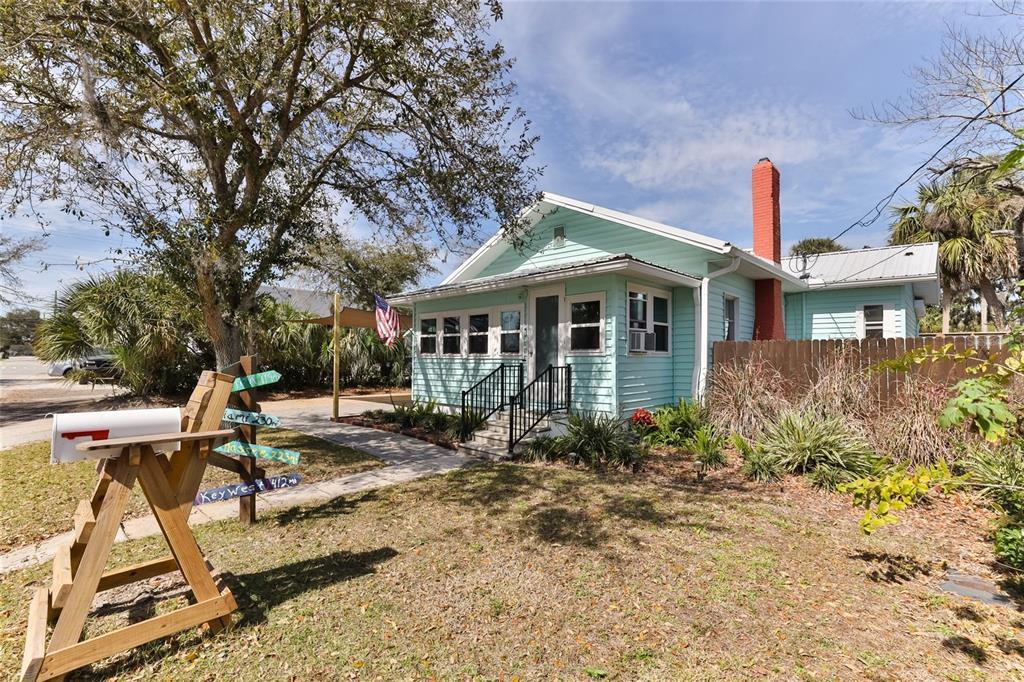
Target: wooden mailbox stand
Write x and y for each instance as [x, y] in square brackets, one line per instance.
[170, 486]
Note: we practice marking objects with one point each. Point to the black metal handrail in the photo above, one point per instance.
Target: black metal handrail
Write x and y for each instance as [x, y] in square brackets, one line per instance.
[490, 394]
[550, 392]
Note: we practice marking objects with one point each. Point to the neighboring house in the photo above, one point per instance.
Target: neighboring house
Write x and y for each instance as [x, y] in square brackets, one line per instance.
[303, 300]
[634, 306]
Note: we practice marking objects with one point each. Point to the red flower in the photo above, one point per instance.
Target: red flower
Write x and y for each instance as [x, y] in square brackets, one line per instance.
[642, 417]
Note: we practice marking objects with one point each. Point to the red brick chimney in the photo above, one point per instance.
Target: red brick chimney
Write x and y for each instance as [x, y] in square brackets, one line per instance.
[768, 321]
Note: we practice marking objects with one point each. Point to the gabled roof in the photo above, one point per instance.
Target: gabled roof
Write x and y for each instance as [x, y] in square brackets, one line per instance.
[896, 264]
[622, 262]
[495, 246]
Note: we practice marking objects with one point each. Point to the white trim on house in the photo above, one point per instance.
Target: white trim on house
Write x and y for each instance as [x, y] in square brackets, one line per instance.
[700, 361]
[602, 325]
[651, 292]
[889, 330]
[531, 313]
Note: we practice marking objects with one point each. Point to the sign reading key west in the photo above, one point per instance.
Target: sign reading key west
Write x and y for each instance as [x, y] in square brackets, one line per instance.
[234, 490]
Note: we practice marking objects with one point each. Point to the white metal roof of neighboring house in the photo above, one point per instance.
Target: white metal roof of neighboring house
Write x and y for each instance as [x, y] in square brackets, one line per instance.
[313, 302]
[897, 264]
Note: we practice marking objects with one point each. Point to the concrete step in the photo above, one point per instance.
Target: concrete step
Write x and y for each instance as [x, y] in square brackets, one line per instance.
[482, 451]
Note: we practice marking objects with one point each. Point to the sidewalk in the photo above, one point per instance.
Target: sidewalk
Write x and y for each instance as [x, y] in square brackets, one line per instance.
[39, 429]
[408, 459]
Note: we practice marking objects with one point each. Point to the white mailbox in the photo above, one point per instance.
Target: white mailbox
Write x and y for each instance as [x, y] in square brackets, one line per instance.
[80, 427]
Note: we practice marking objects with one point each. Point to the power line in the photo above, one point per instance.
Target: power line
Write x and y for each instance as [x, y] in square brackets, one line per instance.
[885, 201]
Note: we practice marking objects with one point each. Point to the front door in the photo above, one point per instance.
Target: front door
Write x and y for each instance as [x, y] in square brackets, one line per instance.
[545, 332]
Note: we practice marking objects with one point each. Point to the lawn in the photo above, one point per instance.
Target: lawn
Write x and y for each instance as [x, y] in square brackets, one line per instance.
[511, 571]
[39, 498]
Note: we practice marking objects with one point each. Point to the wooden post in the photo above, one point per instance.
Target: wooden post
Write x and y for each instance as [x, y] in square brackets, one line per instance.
[247, 504]
[337, 355]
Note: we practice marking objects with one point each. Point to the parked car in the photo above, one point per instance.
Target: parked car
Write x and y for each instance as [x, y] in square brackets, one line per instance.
[101, 363]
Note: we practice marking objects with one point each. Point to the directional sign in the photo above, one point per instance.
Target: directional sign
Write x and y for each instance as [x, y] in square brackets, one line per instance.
[237, 447]
[254, 418]
[254, 380]
[260, 485]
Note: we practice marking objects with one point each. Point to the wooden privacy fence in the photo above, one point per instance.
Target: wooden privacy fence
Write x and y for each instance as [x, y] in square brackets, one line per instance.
[802, 362]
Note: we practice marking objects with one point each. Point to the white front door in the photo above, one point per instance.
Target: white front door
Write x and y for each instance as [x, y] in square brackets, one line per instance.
[546, 314]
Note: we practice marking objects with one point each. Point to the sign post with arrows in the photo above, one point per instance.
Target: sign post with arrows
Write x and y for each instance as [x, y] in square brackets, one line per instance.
[240, 455]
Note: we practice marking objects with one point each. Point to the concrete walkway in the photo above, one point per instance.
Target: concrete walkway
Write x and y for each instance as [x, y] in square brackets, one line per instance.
[16, 433]
[407, 458]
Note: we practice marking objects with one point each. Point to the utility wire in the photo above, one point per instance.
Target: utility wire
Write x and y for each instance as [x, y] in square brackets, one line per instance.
[885, 201]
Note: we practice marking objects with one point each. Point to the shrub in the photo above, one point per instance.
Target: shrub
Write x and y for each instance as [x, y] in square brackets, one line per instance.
[838, 389]
[1009, 543]
[599, 440]
[542, 449]
[999, 474]
[742, 398]
[707, 445]
[800, 442]
[757, 466]
[674, 425]
[908, 429]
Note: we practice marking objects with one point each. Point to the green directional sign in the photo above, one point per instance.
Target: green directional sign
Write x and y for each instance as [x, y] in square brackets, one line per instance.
[253, 418]
[241, 448]
[254, 380]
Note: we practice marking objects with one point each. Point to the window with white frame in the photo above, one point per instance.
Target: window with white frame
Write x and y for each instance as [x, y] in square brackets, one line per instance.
[648, 321]
[451, 335]
[479, 333]
[511, 332]
[428, 335]
[660, 323]
[730, 313]
[586, 323]
[874, 322]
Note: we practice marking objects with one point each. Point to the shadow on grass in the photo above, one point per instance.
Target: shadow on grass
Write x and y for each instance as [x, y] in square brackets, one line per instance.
[257, 593]
[967, 647]
[893, 568]
[339, 506]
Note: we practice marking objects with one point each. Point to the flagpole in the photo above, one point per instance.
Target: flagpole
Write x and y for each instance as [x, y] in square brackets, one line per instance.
[337, 354]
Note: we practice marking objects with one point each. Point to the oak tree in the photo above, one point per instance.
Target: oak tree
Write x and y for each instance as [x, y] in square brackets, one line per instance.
[224, 135]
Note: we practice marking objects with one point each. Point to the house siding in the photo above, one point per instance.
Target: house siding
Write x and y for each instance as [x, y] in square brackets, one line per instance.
[587, 237]
[832, 314]
[651, 380]
[443, 378]
[593, 376]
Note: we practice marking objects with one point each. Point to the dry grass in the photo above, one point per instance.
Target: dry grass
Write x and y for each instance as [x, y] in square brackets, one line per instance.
[39, 498]
[541, 572]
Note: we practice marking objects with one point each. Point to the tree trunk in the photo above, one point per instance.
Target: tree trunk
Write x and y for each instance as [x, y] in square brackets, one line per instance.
[995, 306]
[221, 324]
[947, 304]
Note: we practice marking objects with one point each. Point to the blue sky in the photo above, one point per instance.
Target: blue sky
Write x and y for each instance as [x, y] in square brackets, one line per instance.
[661, 109]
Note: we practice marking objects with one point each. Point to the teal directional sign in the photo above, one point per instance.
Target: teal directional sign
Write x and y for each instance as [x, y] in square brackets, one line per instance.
[243, 449]
[252, 418]
[254, 380]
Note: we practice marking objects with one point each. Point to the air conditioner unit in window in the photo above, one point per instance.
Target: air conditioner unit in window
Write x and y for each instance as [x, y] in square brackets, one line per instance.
[640, 341]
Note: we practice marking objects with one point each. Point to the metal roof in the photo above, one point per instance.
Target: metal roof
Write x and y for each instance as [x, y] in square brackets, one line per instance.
[909, 262]
[570, 269]
[305, 300]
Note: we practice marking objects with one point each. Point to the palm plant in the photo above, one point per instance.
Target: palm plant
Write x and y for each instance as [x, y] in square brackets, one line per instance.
[965, 214]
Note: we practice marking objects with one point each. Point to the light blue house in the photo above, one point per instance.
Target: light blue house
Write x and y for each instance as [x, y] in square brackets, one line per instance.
[632, 307]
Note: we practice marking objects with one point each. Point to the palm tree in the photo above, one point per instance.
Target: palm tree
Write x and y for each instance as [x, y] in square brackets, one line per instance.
[964, 214]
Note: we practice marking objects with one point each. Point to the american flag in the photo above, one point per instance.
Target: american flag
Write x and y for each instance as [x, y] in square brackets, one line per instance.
[387, 321]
